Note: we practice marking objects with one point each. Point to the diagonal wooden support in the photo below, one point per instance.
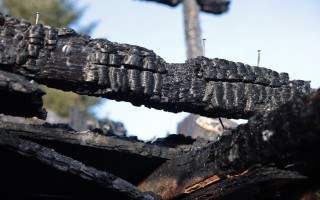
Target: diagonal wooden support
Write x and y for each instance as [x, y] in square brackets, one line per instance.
[287, 139]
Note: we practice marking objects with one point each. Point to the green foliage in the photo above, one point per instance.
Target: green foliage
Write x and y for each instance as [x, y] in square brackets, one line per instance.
[61, 102]
[59, 13]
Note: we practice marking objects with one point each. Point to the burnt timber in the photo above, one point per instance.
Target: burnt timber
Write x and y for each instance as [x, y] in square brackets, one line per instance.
[46, 174]
[209, 6]
[275, 155]
[22, 94]
[63, 59]
[286, 138]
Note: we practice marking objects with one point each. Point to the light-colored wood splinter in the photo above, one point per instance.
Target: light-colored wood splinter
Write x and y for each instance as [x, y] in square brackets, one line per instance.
[202, 184]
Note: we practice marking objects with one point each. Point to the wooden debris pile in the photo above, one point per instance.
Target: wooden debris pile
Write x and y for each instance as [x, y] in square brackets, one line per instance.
[275, 155]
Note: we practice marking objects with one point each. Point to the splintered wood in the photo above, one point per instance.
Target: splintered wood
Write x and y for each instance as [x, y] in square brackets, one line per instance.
[202, 184]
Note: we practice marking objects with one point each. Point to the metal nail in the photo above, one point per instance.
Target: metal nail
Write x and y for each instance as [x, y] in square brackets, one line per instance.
[204, 46]
[37, 17]
[221, 123]
[258, 57]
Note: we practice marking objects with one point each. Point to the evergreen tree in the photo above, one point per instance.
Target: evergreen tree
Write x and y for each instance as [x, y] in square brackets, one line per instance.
[59, 13]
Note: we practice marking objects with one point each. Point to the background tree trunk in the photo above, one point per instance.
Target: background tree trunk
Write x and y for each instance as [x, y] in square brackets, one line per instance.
[192, 28]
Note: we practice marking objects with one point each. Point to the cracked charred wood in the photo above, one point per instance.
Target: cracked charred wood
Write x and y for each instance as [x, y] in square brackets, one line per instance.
[98, 150]
[164, 148]
[209, 6]
[20, 96]
[63, 59]
[44, 173]
[287, 138]
[257, 183]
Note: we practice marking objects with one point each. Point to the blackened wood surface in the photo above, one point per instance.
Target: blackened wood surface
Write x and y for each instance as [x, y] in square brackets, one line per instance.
[167, 2]
[162, 148]
[257, 183]
[209, 6]
[45, 164]
[214, 6]
[61, 58]
[20, 96]
[263, 158]
[287, 139]
[125, 157]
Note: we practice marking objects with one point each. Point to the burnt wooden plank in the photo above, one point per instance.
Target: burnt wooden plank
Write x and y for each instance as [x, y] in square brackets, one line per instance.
[286, 139]
[66, 177]
[110, 153]
[257, 183]
[62, 133]
[20, 96]
[64, 59]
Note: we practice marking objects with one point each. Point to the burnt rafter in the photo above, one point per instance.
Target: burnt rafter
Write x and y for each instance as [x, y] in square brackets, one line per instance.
[64, 59]
[209, 6]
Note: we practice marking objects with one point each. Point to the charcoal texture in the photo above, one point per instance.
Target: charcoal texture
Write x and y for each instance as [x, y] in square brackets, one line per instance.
[20, 96]
[64, 59]
[47, 174]
[283, 142]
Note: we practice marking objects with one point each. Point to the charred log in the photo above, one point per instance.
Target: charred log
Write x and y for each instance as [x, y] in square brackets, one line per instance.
[20, 96]
[61, 58]
[286, 139]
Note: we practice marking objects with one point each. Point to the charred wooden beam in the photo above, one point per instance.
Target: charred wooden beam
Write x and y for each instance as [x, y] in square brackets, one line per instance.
[20, 96]
[214, 6]
[257, 183]
[44, 173]
[266, 155]
[61, 58]
[98, 150]
[209, 6]
[287, 138]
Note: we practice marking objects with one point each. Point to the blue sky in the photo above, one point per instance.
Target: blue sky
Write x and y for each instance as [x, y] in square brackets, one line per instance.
[286, 31]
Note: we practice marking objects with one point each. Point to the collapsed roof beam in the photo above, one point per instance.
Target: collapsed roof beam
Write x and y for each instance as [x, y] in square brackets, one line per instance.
[64, 59]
